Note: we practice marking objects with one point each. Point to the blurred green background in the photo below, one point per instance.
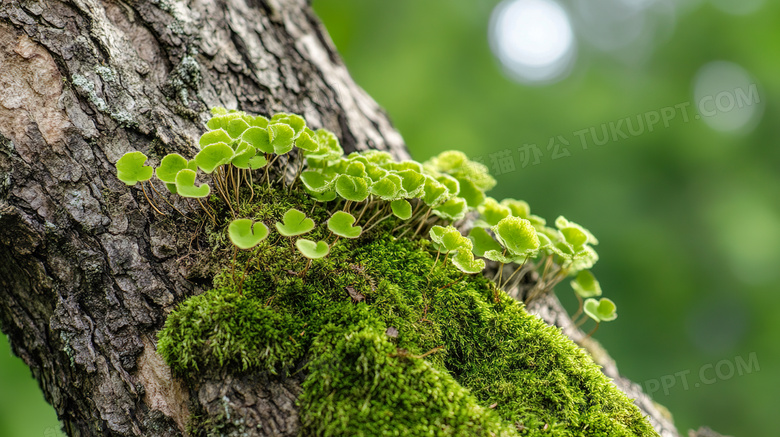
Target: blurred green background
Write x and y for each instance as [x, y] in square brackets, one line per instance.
[688, 213]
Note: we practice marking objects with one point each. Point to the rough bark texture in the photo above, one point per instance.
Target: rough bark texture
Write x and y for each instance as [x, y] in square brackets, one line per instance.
[88, 272]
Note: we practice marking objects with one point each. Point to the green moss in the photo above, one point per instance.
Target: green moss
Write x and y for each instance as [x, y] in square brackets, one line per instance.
[460, 363]
[223, 329]
[361, 385]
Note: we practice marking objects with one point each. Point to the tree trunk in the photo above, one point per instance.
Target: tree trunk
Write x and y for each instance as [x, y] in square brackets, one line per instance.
[88, 271]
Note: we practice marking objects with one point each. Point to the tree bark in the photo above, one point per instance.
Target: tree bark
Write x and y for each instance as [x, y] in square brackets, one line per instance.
[88, 271]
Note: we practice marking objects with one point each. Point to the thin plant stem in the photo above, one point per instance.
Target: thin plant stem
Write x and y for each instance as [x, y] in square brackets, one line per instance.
[453, 282]
[251, 183]
[378, 222]
[233, 266]
[422, 222]
[236, 182]
[590, 334]
[282, 172]
[305, 269]
[149, 200]
[378, 211]
[218, 183]
[516, 270]
[166, 201]
[243, 277]
[361, 213]
[213, 219]
[298, 172]
[268, 168]
[438, 252]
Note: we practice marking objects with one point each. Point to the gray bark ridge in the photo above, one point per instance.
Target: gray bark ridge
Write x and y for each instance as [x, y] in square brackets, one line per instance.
[88, 273]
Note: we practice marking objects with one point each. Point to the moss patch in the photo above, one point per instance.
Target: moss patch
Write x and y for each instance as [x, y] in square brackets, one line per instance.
[391, 344]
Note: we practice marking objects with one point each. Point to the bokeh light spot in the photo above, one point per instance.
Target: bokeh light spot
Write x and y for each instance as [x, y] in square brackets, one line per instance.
[738, 7]
[727, 98]
[532, 39]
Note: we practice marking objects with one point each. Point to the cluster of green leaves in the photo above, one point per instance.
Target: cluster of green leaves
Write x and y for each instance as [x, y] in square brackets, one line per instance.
[427, 197]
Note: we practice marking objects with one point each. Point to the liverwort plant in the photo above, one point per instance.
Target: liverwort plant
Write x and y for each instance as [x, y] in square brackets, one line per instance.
[401, 209]
[340, 223]
[449, 240]
[519, 241]
[245, 235]
[130, 168]
[311, 250]
[602, 310]
[185, 185]
[294, 223]
[437, 198]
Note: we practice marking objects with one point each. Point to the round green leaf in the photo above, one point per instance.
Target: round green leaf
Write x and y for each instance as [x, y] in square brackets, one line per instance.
[449, 239]
[257, 161]
[412, 183]
[401, 209]
[340, 223]
[404, 165]
[214, 137]
[375, 172]
[282, 137]
[482, 241]
[517, 235]
[259, 139]
[452, 184]
[378, 157]
[499, 257]
[329, 147]
[586, 285]
[326, 196]
[465, 262]
[306, 141]
[312, 250]
[213, 155]
[130, 168]
[245, 235]
[518, 208]
[257, 121]
[387, 188]
[185, 185]
[236, 127]
[492, 212]
[453, 209]
[352, 188]
[170, 166]
[603, 310]
[294, 223]
[356, 169]
[315, 181]
[294, 121]
[243, 155]
[473, 195]
[434, 192]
